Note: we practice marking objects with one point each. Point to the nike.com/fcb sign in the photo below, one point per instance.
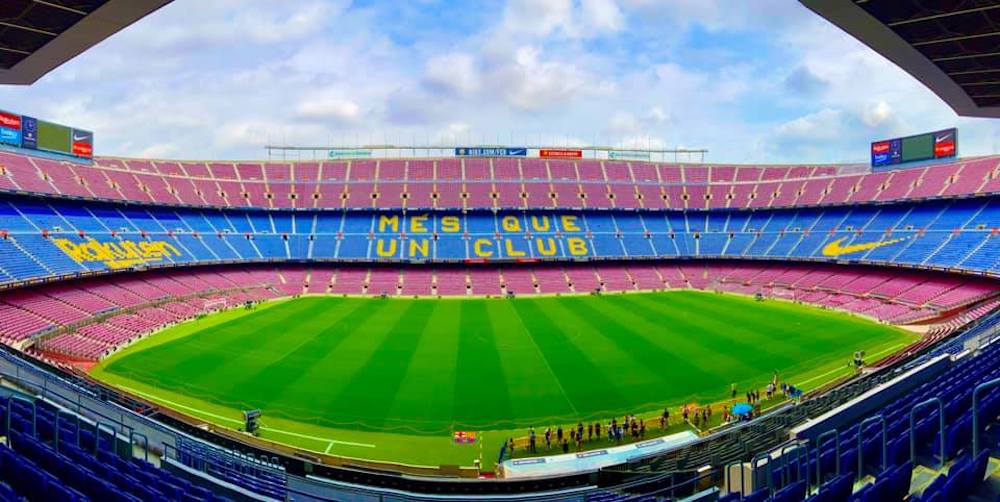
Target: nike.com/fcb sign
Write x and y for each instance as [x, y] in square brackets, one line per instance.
[484, 151]
[935, 145]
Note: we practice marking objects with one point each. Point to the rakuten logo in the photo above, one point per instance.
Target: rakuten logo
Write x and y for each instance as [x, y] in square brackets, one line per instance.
[11, 121]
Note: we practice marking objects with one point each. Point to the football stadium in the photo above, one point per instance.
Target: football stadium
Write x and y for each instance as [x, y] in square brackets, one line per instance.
[501, 320]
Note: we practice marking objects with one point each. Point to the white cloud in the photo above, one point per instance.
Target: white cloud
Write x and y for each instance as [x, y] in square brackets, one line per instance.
[825, 124]
[602, 16]
[455, 72]
[328, 106]
[537, 17]
[876, 114]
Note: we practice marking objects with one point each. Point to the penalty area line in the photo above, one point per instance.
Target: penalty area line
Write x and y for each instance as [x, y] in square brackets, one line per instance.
[330, 442]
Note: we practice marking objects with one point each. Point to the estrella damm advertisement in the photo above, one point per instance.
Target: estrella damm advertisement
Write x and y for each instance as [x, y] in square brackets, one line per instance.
[117, 254]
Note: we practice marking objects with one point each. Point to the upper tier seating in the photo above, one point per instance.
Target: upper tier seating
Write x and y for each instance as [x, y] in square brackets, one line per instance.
[52, 238]
[488, 183]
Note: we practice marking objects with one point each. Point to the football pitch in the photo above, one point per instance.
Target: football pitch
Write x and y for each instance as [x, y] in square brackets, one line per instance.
[392, 379]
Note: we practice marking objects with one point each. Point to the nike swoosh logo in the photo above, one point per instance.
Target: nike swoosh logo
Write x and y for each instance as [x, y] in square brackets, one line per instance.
[81, 138]
[835, 249]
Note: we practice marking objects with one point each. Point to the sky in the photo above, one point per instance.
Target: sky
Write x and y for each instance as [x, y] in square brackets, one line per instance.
[763, 81]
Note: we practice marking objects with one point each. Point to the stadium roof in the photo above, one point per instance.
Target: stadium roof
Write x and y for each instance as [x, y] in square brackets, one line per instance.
[36, 36]
[951, 46]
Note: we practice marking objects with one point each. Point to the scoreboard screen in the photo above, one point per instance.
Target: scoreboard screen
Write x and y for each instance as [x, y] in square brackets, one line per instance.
[33, 134]
[929, 146]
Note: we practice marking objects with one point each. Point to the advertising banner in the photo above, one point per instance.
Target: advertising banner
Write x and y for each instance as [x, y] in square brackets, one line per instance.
[944, 143]
[29, 132]
[561, 154]
[348, 154]
[628, 155]
[479, 151]
[83, 143]
[10, 129]
[886, 152]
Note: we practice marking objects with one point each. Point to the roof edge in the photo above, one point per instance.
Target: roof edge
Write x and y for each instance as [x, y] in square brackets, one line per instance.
[856, 22]
[107, 20]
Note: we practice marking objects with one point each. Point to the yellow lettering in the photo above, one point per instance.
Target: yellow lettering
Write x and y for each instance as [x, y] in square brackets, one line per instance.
[511, 223]
[450, 224]
[569, 223]
[380, 248]
[479, 248]
[71, 250]
[422, 245]
[169, 249]
[542, 249]
[384, 221]
[577, 246]
[117, 254]
[418, 224]
[514, 253]
[131, 250]
[542, 226]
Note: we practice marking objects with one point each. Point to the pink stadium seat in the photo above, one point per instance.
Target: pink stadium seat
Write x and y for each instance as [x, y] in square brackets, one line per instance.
[420, 170]
[485, 281]
[551, 280]
[518, 280]
[563, 170]
[590, 170]
[534, 169]
[477, 170]
[392, 170]
[506, 169]
[419, 195]
[617, 171]
[451, 282]
[449, 170]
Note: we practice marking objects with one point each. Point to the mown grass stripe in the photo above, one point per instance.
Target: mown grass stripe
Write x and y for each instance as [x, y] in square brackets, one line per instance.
[587, 385]
[374, 386]
[481, 395]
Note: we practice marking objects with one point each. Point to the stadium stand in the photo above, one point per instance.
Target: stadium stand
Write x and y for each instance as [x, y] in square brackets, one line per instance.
[576, 184]
[94, 257]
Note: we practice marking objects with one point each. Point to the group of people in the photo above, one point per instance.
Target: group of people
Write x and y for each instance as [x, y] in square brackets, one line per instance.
[614, 432]
[634, 428]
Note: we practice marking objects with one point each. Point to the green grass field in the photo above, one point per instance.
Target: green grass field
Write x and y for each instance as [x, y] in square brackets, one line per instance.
[391, 379]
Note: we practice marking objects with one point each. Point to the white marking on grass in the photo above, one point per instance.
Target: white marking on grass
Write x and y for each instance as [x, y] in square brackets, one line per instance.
[227, 419]
[828, 373]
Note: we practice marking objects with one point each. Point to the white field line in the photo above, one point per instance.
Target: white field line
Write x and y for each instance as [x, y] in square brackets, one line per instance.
[828, 373]
[230, 420]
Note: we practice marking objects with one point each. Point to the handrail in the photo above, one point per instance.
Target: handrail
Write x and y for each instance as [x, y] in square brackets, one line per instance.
[885, 443]
[975, 411]
[754, 462]
[798, 449]
[145, 443]
[76, 418]
[913, 432]
[819, 454]
[10, 412]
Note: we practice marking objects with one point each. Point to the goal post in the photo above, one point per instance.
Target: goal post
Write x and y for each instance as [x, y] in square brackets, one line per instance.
[216, 304]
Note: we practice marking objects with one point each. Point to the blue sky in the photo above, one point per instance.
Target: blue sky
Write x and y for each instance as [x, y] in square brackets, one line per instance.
[760, 81]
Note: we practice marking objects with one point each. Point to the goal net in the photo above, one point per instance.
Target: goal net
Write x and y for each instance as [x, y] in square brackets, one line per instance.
[216, 304]
[780, 292]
